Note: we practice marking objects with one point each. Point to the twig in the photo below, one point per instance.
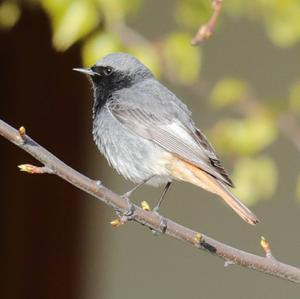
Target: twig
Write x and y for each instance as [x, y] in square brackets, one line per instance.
[206, 30]
[152, 220]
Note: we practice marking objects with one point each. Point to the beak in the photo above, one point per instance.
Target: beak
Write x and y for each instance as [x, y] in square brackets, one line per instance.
[85, 71]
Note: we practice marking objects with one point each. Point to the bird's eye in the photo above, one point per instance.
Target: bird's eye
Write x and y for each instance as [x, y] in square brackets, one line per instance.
[107, 71]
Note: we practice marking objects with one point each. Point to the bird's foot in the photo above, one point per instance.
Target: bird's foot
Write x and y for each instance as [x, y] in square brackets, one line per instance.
[128, 213]
[127, 195]
[156, 209]
[163, 224]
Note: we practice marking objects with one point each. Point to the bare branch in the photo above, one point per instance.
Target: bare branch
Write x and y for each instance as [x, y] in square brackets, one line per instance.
[206, 30]
[152, 220]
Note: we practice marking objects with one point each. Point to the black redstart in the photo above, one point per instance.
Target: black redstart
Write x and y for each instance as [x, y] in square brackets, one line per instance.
[147, 134]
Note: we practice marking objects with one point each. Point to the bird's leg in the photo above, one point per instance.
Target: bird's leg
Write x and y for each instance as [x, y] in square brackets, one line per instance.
[163, 222]
[156, 208]
[130, 210]
[128, 193]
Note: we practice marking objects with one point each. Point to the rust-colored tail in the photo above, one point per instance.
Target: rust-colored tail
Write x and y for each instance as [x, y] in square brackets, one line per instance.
[200, 178]
[236, 205]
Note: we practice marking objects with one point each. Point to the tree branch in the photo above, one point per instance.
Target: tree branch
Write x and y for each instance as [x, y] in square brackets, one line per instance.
[152, 220]
[206, 30]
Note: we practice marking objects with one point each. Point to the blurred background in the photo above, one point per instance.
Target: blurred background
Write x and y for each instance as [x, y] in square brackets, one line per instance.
[243, 86]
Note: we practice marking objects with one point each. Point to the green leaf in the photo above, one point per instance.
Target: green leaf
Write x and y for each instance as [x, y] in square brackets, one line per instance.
[71, 20]
[246, 136]
[283, 23]
[183, 61]
[56, 8]
[9, 14]
[227, 92]
[115, 11]
[255, 179]
[98, 46]
[294, 97]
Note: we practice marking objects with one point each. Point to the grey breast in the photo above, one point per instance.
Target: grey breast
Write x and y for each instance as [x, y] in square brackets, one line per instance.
[132, 156]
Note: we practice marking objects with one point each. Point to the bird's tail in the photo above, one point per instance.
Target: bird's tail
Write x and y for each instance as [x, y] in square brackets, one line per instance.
[202, 179]
[236, 205]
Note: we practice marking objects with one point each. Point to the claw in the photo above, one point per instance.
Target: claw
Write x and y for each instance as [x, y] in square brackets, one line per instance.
[127, 195]
[126, 215]
[155, 210]
[129, 211]
[163, 225]
[131, 208]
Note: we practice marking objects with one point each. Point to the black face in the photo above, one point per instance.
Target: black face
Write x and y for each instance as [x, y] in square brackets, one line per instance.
[106, 80]
[102, 70]
[109, 79]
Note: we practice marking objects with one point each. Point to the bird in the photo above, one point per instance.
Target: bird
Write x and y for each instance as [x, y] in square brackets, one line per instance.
[147, 133]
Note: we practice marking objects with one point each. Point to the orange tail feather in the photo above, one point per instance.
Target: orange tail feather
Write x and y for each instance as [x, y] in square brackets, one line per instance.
[187, 172]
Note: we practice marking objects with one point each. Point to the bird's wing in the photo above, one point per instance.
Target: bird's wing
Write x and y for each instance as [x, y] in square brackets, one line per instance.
[165, 129]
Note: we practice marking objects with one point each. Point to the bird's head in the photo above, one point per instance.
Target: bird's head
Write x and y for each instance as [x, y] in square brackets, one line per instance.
[116, 71]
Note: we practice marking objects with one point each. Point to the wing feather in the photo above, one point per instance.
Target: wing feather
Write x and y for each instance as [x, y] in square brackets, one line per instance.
[186, 142]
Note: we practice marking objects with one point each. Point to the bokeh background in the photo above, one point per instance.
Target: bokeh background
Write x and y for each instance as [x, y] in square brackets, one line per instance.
[243, 86]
